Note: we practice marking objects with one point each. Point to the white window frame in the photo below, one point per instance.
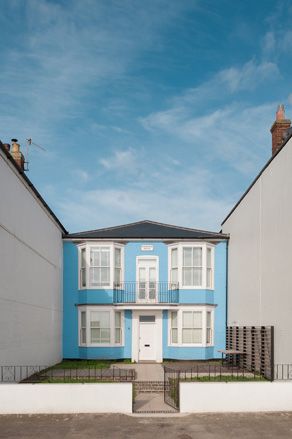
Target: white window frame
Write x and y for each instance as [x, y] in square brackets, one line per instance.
[204, 310]
[211, 343]
[88, 310]
[204, 246]
[88, 246]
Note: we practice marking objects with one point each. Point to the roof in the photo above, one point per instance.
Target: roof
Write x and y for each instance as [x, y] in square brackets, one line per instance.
[147, 230]
[35, 191]
[256, 178]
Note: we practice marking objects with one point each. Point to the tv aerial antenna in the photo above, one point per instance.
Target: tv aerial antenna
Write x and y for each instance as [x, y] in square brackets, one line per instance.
[29, 144]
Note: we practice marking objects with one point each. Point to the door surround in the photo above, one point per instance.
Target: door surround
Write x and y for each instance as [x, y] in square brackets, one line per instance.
[145, 258]
[136, 333]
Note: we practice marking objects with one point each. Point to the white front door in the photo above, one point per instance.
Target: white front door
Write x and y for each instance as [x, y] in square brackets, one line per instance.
[147, 338]
[147, 280]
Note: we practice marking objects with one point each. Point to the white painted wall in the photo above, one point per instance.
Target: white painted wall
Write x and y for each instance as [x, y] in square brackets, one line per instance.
[260, 261]
[235, 397]
[30, 275]
[65, 398]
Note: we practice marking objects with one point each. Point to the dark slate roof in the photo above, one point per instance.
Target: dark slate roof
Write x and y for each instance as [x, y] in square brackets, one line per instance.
[147, 230]
[35, 191]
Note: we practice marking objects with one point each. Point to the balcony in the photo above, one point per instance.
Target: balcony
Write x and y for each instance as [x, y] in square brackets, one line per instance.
[146, 292]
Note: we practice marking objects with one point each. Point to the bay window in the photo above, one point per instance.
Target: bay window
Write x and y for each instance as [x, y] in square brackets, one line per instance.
[174, 266]
[173, 330]
[83, 268]
[191, 265]
[118, 266]
[191, 326]
[99, 326]
[209, 276]
[83, 327]
[118, 327]
[100, 265]
[209, 328]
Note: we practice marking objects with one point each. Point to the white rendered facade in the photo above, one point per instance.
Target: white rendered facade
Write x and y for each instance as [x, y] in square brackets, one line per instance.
[30, 274]
[259, 267]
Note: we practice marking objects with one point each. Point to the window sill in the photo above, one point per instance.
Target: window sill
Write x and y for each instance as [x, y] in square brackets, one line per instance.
[103, 345]
[190, 287]
[96, 288]
[190, 345]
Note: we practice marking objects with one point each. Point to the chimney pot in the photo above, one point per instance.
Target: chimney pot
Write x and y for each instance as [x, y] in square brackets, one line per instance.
[279, 128]
[280, 114]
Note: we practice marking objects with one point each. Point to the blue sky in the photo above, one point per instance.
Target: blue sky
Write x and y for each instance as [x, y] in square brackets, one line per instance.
[148, 110]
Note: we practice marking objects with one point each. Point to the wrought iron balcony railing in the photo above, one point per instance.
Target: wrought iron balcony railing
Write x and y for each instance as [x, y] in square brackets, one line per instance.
[146, 292]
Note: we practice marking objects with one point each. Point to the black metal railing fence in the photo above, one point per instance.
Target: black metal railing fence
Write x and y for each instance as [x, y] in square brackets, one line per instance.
[156, 292]
[45, 374]
[203, 372]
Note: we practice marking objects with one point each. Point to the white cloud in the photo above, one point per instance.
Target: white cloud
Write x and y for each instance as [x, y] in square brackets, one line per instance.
[181, 199]
[247, 77]
[269, 42]
[223, 85]
[121, 160]
[67, 49]
[220, 127]
[81, 175]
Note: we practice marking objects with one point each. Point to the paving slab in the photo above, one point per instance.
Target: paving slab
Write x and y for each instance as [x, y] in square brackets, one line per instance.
[151, 403]
[115, 426]
[144, 371]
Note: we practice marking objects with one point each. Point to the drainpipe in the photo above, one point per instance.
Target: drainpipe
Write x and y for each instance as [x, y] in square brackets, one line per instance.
[226, 287]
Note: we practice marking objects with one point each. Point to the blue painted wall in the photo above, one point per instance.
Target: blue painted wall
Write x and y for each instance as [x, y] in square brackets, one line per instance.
[73, 297]
[217, 297]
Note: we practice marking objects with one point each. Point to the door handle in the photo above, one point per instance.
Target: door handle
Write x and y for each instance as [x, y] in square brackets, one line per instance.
[147, 345]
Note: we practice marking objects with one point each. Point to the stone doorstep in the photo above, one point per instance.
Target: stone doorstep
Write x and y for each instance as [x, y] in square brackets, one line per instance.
[149, 386]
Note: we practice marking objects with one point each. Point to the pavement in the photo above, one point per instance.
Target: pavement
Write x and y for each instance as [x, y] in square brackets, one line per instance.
[144, 371]
[151, 402]
[110, 426]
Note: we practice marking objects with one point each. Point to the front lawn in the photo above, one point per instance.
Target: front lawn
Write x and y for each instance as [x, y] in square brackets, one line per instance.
[226, 378]
[88, 364]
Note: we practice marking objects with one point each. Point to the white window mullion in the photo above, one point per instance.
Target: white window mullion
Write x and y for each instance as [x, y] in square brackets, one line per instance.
[179, 324]
[112, 266]
[204, 269]
[112, 327]
[87, 266]
[180, 265]
[204, 328]
[87, 327]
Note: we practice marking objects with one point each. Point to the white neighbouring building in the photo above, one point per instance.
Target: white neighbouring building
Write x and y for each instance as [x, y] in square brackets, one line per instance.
[259, 254]
[30, 271]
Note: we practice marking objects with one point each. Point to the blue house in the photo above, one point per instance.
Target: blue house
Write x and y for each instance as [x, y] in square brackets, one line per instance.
[145, 291]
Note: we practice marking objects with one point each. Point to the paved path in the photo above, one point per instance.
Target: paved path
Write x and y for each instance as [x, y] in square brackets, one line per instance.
[144, 371]
[206, 426]
[151, 402]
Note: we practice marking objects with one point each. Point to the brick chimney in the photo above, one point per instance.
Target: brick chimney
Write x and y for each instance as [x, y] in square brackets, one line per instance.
[278, 129]
[17, 154]
[6, 146]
